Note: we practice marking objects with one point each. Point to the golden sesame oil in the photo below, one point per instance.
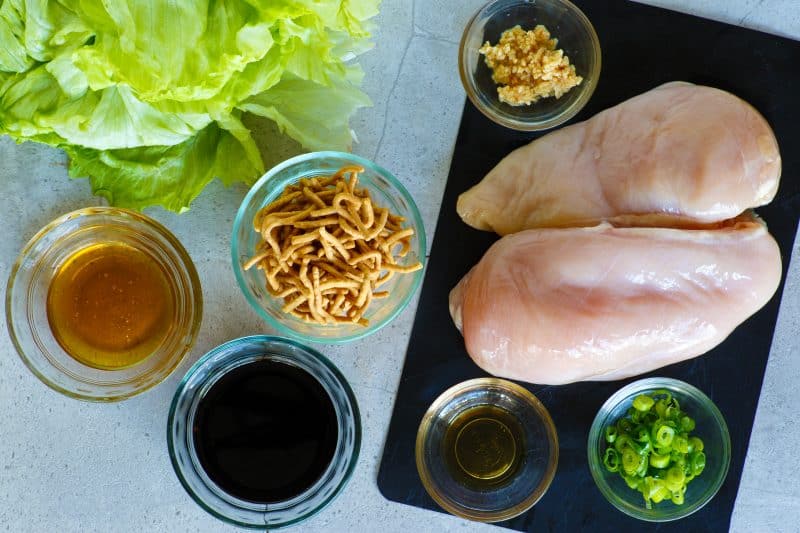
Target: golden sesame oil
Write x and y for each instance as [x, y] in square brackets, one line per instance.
[483, 447]
[110, 305]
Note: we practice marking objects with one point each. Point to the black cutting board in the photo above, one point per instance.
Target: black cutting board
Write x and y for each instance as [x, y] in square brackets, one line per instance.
[642, 47]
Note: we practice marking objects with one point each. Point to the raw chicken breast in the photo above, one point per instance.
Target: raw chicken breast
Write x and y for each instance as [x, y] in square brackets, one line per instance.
[555, 306]
[677, 156]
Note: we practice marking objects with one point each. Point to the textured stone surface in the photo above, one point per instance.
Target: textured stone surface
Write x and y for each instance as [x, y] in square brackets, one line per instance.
[77, 467]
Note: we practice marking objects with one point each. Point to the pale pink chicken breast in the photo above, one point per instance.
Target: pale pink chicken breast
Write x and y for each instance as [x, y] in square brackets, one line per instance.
[555, 306]
[676, 156]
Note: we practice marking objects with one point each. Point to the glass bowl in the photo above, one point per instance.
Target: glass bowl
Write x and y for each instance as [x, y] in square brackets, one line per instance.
[384, 189]
[518, 490]
[200, 378]
[710, 427]
[576, 36]
[27, 293]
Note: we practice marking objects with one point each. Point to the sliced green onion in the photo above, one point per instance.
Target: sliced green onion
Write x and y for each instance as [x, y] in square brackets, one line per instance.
[674, 403]
[611, 460]
[646, 488]
[698, 462]
[652, 448]
[655, 489]
[661, 407]
[675, 478]
[643, 402]
[645, 448]
[658, 460]
[660, 495]
[632, 481]
[622, 442]
[643, 465]
[649, 417]
[679, 459]
[680, 444]
[631, 461]
[642, 448]
[663, 435]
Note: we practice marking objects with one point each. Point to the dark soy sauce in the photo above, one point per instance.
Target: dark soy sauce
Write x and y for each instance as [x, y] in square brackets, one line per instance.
[266, 431]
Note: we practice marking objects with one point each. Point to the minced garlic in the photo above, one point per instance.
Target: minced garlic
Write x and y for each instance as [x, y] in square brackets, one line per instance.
[528, 67]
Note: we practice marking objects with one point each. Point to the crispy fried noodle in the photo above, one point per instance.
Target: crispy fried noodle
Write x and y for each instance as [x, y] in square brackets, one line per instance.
[327, 249]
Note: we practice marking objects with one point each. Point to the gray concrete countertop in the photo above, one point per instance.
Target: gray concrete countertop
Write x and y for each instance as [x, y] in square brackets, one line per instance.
[78, 467]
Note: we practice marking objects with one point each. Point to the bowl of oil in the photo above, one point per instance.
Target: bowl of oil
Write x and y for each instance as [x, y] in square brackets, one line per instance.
[264, 432]
[103, 303]
[486, 450]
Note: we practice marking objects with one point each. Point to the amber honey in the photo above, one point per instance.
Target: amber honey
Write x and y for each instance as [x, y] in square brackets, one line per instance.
[110, 305]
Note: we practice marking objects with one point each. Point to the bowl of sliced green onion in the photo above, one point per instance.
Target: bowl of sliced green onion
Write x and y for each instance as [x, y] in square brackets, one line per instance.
[659, 449]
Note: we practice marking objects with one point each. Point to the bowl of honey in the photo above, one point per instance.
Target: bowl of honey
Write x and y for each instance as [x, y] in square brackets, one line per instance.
[486, 450]
[264, 432]
[103, 303]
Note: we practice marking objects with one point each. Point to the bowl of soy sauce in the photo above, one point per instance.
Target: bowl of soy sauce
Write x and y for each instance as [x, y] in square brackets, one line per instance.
[264, 432]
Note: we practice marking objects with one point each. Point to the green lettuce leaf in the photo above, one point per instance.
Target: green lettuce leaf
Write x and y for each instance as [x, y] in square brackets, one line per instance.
[35, 104]
[315, 115]
[170, 176]
[36, 31]
[52, 27]
[181, 50]
[13, 55]
[147, 97]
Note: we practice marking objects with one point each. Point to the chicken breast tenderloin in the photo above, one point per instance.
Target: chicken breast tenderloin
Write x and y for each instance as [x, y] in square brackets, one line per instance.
[554, 306]
[676, 156]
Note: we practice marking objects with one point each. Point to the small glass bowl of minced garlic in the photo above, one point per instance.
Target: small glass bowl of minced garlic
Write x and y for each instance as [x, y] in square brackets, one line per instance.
[529, 66]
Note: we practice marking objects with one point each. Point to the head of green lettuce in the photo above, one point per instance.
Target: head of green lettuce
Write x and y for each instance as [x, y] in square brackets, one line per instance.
[147, 96]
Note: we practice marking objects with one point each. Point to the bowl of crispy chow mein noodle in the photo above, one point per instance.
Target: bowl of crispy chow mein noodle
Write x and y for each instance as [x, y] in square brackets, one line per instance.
[328, 247]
